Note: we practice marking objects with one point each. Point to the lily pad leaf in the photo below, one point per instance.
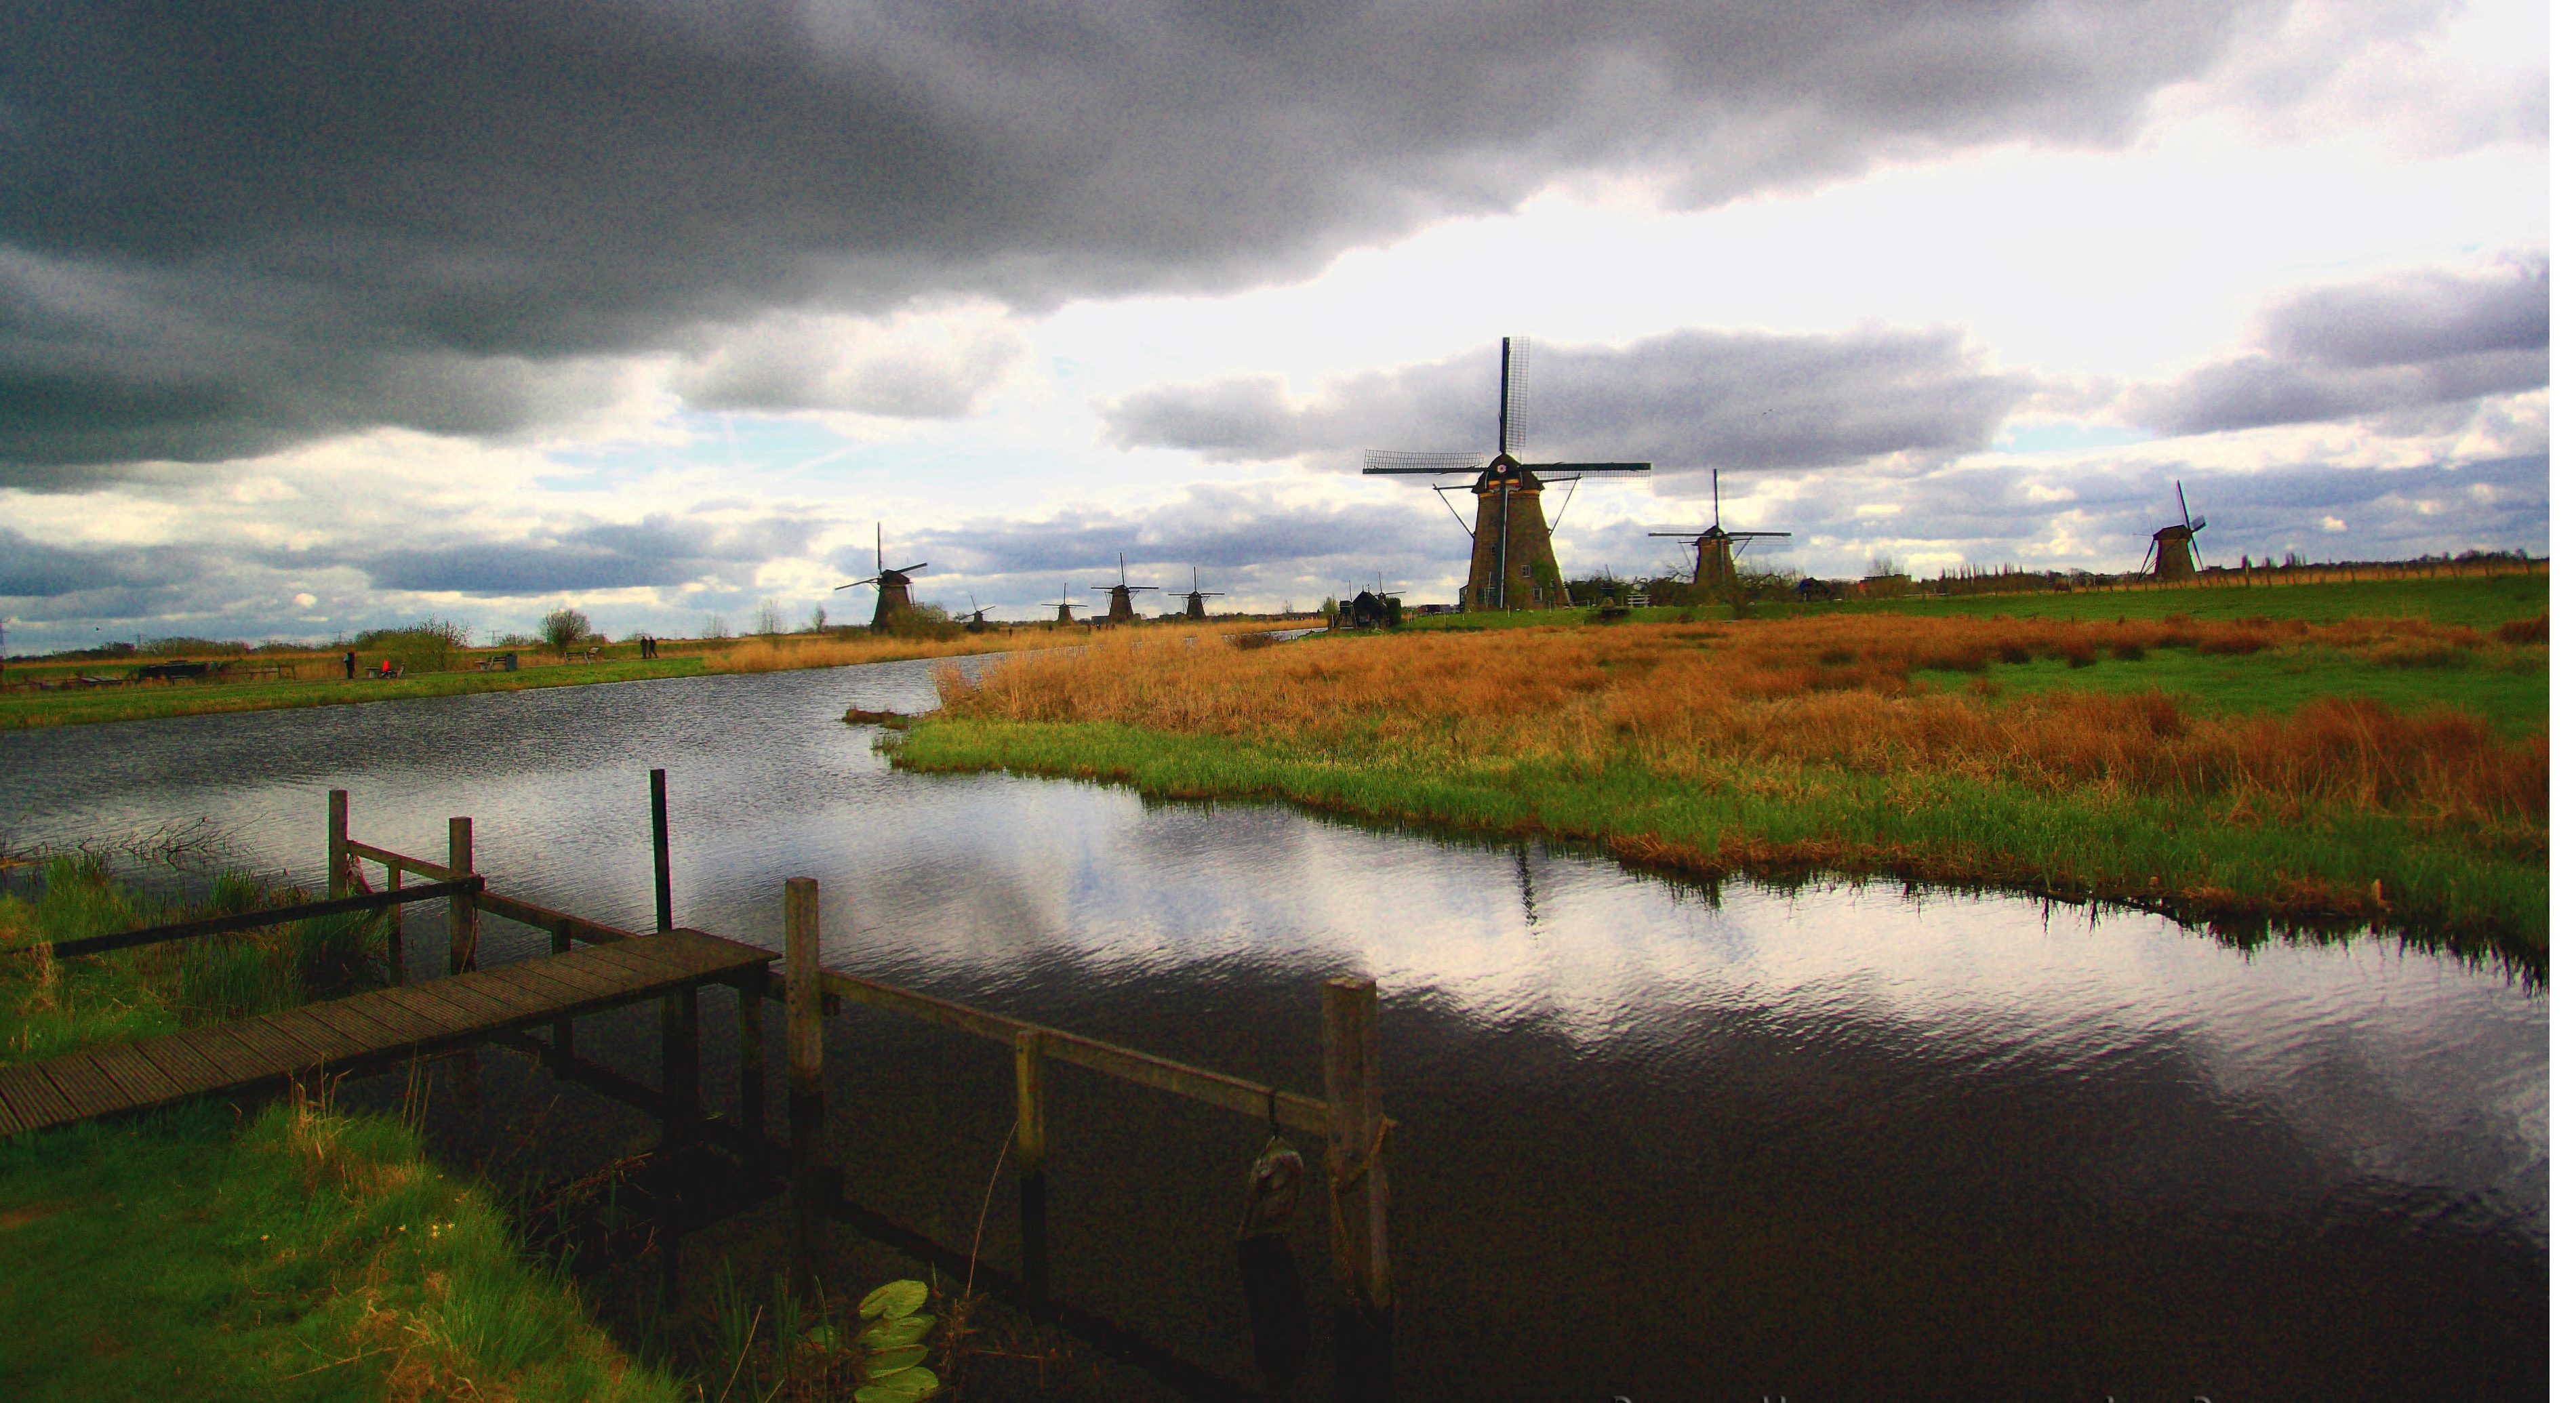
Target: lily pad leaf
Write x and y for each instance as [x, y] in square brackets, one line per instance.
[904, 1387]
[895, 1361]
[895, 1334]
[894, 1300]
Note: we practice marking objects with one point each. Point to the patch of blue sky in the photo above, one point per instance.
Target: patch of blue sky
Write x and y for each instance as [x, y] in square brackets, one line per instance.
[2055, 435]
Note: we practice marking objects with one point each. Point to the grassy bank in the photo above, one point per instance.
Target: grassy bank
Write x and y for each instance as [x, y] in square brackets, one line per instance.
[25, 709]
[296, 1254]
[2390, 771]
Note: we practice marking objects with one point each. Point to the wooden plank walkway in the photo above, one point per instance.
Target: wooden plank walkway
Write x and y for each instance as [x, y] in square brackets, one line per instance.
[380, 1026]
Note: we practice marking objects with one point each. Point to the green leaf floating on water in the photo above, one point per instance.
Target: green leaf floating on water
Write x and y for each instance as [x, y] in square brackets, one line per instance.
[895, 1334]
[894, 1300]
[905, 1387]
[895, 1361]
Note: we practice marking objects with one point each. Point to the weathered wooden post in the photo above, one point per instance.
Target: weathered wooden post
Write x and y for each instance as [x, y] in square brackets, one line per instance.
[464, 923]
[562, 945]
[680, 1114]
[393, 925]
[752, 1084]
[338, 883]
[1028, 1055]
[1363, 1314]
[661, 854]
[804, 946]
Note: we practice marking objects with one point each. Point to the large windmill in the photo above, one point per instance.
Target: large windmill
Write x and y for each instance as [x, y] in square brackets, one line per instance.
[2176, 554]
[1513, 562]
[1716, 565]
[1196, 606]
[1122, 602]
[1064, 610]
[894, 587]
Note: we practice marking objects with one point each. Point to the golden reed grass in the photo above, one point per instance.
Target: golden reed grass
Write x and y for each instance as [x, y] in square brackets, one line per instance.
[789, 653]
[1721, 703]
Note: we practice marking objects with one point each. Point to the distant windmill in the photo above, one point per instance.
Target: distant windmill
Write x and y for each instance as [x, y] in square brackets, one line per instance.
[1513, 562]
[2175, 554]
[1716, 566]
[975, 615]
[894, 587]
[1064, 610]
[1196, 607]
[1122, 603]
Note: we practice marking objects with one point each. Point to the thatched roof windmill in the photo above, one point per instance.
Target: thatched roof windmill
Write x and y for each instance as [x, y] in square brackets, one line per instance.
[1122, 602]
[894, 587]
[2176, 554]
[1716, 564]
[1196, 607]
[1513, 562]
[1064, 610]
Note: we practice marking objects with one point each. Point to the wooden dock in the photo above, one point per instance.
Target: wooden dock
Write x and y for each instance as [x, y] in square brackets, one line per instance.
[385, 1025]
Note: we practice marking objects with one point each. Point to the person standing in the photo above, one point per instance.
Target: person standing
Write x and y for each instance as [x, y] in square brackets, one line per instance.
[349, 664]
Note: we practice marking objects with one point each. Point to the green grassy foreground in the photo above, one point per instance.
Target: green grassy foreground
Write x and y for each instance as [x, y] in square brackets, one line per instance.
[300, 1254]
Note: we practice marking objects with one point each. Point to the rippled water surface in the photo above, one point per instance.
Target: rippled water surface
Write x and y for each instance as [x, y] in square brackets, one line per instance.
[1664, 1140]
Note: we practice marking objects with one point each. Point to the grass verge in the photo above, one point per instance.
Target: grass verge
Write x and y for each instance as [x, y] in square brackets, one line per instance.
[2388, 772]
[298, 1254]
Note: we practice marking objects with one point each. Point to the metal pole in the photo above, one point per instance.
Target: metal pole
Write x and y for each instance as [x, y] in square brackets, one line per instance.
[661, 854]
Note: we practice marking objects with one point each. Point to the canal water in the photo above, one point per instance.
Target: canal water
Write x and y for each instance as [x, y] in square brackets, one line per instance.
[1659, 1140]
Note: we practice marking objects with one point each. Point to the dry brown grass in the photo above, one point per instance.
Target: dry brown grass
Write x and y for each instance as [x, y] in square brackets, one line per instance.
[1702, 702]
[789, 653]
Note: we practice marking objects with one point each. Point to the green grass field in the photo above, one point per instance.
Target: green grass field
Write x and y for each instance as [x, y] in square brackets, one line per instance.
[298, 1254]
[2512, 692]
[145, 701]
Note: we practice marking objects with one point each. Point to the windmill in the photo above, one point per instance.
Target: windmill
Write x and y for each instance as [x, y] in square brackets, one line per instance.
[1513, 563]
[1716, 565]
[1122, 604]
[1196, 608]
[894, 587]
[2175, 554]
[975, 615]
[1064, 610]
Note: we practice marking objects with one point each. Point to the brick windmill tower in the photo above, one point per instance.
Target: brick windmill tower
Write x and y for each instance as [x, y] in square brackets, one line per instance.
[894, 587]
[1716, 565]
[2176, 552]
[1195, 606]
[1122, 599]
[1513, 562]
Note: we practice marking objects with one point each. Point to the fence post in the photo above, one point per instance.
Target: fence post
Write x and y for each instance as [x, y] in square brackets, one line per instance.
[752, 1087]
[804, 947]
[464, 923]
[1028, 1057]
[680, 1117]
[661, 855]
[393, 925]
[338, 883]
[562, 944]
[1363, 1317]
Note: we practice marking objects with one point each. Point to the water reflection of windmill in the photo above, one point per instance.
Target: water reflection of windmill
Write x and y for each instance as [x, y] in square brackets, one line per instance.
[1513, 562]
[894, 587]
[1064, 609]
[1122, 602]
[2176, 553]
[1196, 605]
[1716, 564]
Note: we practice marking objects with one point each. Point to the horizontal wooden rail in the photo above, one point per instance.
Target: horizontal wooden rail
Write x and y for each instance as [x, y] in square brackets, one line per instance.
[254, 920]
[1245, 1098]
[1144, 1068]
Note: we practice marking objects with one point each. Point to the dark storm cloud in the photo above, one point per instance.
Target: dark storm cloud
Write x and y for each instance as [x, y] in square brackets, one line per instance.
[2400, 343]
[224, 227]
[39, 570]
[1693, 399]
[659, 550]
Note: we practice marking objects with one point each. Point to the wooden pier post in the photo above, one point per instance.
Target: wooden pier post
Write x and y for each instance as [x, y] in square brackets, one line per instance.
[1363, 1315]
[337, 884]
[680, 1113]
[562, 943]
[1028, 1057]
[393, 926]
[804, 949]
[752, 1084]
[464, 923]
[661, 854]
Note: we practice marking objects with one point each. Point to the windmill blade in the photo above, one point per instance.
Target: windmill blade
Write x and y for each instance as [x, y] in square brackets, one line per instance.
[1692, 534]
[908, 569]
[1572, 468]
[2197, 523]
[2182, 501]
[2150, 558]
[1752, 535]
[854, 584]
[1515, 410]
[1383, 460]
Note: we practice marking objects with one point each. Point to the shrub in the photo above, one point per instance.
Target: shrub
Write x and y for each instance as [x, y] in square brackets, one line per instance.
[2524, 631]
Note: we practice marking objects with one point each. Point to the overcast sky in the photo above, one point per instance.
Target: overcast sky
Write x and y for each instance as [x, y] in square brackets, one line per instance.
[309, 325]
